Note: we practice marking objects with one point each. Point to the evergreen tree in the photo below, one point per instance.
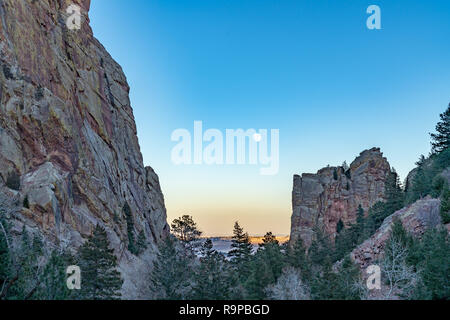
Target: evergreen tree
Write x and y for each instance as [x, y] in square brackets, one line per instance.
[445, 205]
[320, 251]
[5, 257]
[53, 278]
[377, 214]
[186, 230]
[212, 277]
[431, 257]
[267, 265]
[348, 281]
[171, 272]
[296, 257]
[141, 242]
[339, 226]
[269, 238]
[324, 282]
[130, 228]
[441, 139]
[99, 278]
[241, 250]
[28, 265]
[393, 193]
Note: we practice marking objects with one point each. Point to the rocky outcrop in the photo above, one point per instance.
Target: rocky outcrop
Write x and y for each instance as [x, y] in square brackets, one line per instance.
[334, 193]
[416, 219]
[68, 134]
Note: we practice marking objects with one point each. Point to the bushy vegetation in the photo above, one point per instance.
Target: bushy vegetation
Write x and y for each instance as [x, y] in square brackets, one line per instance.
[187, 267]
[31, 271]
[412, 268]
[13, 181]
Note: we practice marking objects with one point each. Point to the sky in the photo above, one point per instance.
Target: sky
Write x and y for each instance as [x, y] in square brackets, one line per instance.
[311, 69]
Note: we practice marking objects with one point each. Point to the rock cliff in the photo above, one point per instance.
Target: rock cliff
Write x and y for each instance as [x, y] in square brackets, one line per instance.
[416, 219]
[68, 139]
[335, 193]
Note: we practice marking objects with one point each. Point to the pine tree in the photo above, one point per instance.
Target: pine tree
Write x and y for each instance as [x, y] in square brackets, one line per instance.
[432, 259]
[320, 250]
[212, 277]
[186, 230]
[130, 228]
[296, 257]
[141, 242]
[53, 278]
[28, 264]
[99, 278]
[348, 281]
[269, 238]
[171, 272]
[240, 253]
[445, 205]
[441, 139]
[267, 265]
[339, 226]
[5, 257]
[393, 193]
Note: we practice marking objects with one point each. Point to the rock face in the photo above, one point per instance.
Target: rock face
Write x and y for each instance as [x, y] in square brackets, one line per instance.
[67, 131]
[416, 219]
[334, 193]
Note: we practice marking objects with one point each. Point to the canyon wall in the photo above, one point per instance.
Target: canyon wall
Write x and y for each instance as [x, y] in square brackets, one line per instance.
[68, 144]
[334, 193]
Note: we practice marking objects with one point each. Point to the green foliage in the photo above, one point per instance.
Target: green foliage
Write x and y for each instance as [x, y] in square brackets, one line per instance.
[427, 179]
[441, 139]
[335, 174]
[99, 278]
[26, 203]
[5, 256]
[339, 226]
[141, 244]
[116, 217]
[52, 281]
[240, 253]
[349, 238]
[130, 228]
[431, 256]
[393, 193]
[171, 272]
[186, 230]
[296, 257]
[13, 181]
[348, 174]
[445, 205]
[213, 279]
[320, 250]
[266, 266]
[347, 286]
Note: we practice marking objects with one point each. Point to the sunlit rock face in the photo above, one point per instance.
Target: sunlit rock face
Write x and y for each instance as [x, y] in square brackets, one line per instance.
[332, 194]
[67, 130]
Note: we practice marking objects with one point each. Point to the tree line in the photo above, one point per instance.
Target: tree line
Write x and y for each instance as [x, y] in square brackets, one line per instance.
[188, 267]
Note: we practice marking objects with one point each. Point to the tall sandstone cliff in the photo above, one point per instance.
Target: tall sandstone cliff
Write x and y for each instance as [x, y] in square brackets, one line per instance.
[332, 194]
[67, 130]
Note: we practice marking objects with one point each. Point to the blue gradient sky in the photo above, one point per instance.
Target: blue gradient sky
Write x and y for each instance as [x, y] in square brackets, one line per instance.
[309, 68]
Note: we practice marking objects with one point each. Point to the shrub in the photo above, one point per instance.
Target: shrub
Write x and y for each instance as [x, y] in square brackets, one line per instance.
[445, 206]
[26, 203]
[13, 181]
